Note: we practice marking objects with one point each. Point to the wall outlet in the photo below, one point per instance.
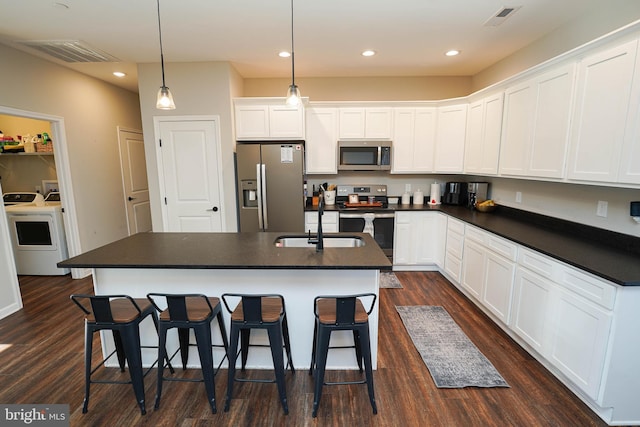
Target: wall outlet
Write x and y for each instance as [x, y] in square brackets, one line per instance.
[518, 197]
[601, 210]
[407, 188]
[38, 189]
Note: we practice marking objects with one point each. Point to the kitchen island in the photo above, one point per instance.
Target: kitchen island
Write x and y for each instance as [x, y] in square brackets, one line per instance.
[215, 263]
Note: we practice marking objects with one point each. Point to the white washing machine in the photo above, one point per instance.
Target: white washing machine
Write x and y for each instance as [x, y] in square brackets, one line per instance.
[37, 233]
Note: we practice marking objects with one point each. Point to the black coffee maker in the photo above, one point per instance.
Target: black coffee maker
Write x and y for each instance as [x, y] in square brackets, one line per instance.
[455, 193]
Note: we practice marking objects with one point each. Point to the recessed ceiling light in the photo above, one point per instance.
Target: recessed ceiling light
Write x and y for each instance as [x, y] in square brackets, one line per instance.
[452, 52]
[284, 54]
[368, 53]
[119, 74]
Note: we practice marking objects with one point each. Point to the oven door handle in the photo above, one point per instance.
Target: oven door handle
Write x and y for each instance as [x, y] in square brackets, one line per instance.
[361, 215]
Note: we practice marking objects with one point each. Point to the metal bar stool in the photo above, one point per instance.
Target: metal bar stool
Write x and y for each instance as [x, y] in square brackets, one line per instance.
[339, 313]
[268, 312]
[185, 312]
[122, 315]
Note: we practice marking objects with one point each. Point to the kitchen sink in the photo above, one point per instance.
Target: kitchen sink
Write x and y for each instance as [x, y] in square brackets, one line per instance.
[330, 241]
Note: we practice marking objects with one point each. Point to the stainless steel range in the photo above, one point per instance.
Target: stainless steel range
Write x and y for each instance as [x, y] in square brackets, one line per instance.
[369, 214]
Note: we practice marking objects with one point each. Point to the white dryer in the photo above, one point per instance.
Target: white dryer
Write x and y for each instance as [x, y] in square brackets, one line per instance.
[37, 233]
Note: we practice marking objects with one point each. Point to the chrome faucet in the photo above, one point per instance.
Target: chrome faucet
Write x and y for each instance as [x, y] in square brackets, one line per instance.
[319, 238]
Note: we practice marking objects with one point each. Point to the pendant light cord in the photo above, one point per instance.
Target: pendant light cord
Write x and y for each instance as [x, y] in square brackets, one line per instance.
[293, 70]
[161, 54]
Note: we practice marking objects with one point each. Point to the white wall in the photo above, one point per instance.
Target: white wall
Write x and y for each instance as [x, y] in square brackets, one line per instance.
[92, 110]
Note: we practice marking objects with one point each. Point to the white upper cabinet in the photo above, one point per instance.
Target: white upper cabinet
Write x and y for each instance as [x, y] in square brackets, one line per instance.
[535, 132]
[450, 136]
[366, 122]
[257, 119]
[484, 127]
[629, 171]
[321, 143]
[605, 82]
[414, 134]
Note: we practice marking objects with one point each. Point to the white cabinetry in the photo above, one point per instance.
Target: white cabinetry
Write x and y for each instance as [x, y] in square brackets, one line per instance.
[330, 222]
[418, 239]
[605, 81]
[454, 250]
[321, 141]
[268, 119]
[414, 134]
[536, 126]
[565, 315]
[488, 269]
[484, 127]
[365, 122]
[450, 136]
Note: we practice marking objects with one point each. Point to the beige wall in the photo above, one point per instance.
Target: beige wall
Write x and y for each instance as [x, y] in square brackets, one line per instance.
[364, 88]
[92, 110]
[200, 88]
[611, 15]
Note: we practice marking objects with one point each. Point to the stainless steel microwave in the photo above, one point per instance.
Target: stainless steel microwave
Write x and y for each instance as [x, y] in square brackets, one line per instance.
[364, 155]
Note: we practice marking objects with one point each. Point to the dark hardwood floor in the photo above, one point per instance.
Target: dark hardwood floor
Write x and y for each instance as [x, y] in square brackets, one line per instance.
[41, 361]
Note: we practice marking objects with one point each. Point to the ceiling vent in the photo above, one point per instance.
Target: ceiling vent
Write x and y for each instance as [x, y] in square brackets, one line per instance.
[502, 15]
[70, 51]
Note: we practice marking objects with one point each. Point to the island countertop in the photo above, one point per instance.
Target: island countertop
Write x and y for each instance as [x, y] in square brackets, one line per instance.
[169, 250]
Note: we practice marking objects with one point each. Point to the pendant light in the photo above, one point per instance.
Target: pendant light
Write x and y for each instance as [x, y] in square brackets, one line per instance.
[165, 99]
[293, 94]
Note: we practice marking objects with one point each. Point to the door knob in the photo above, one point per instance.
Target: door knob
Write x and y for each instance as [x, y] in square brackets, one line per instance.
[131, 198]
[214, 209]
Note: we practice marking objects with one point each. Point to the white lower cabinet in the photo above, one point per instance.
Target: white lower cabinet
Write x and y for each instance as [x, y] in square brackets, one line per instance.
[417, 239]
[330, 222]
[453, 250]
[531, 309]
[579, 340]
[488, 268]
[565, 315]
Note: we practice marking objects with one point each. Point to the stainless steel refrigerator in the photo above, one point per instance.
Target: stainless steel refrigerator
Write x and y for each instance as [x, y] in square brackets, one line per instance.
[270, 186]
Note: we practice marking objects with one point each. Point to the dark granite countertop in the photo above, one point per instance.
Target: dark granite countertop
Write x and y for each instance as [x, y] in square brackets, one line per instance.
[610, 255]
[226, 251]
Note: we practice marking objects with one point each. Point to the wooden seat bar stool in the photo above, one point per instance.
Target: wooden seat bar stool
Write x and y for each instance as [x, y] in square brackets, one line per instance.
[339, 313]
[122, 315]
[266, 311]
[186, 312]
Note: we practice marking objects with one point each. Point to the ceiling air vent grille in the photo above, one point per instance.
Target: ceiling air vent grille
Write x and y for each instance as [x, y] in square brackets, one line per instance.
[70, 51]
[500, 16]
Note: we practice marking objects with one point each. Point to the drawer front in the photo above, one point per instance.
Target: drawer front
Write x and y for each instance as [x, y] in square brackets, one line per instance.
[502, 247]
[455, 243]
[455, 226]
[329, 218]
[537, 263]
[589, 287]
[475, 234]
[403, 217]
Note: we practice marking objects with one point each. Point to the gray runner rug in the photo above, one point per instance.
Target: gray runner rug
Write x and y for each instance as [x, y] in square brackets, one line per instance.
[452, 359]
[388, 279]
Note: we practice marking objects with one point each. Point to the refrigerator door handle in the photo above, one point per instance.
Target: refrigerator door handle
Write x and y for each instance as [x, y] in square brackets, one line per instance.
[265, 218]
[259, 185]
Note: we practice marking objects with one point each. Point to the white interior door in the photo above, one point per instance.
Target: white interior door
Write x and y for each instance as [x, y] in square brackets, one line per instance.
[190, 170]
[134, 181]
[10, 298]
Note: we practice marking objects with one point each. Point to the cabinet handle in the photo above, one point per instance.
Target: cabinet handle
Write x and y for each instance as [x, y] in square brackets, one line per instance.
[131, 198]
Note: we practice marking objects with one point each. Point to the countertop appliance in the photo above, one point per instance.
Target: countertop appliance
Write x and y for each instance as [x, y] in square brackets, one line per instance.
[368, 217]
[270, 186]
[364, 155]
[477, 193]
[37, 233]
[455, 193]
